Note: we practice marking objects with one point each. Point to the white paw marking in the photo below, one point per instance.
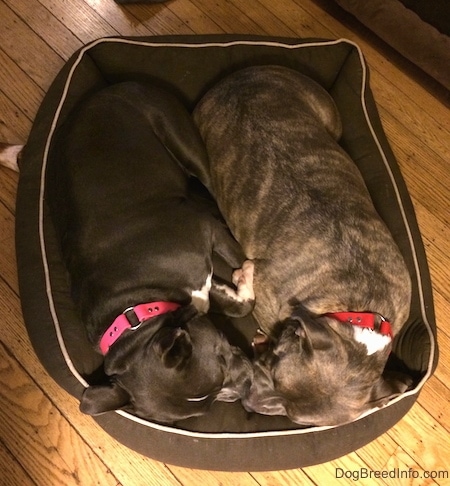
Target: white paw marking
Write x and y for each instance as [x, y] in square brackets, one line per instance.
[243, 279]
[373, 341]
[200, 298]
[229, 292]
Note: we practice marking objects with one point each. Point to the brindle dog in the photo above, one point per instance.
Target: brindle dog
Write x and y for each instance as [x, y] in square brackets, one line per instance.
[299, 207]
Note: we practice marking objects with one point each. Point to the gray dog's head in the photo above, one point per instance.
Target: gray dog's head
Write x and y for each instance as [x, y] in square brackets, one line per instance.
[174, 373]
[317, 374]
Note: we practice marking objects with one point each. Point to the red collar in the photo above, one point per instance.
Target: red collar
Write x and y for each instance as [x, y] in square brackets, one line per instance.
[370, 320]
[132, 318]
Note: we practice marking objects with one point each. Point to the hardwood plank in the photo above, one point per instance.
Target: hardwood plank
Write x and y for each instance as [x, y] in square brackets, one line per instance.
[442, 307]
[13, 331]
[12, 472]
[297, 19]
[212, 478]
[377, 452]
[228, 17]
[44, 23]
[340, 471]
[39, 437]
[159, 20]
[405, 471]
[268, 23]
[27, 49]
[8, 188]
[436, 259]
[119, 18]
[14, 124]
[424, 439]
[8, 270]
[435, 399]
[284, 478]
[23, 90]
[435, 237]
[443, 369]
[80, 19]
[194, 17]
[404, 109]
[412, 157]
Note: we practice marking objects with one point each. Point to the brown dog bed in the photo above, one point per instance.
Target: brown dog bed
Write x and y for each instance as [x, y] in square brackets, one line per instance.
[227, 438]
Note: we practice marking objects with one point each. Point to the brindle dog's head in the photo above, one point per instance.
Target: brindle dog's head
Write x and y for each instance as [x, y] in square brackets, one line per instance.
[318, 375]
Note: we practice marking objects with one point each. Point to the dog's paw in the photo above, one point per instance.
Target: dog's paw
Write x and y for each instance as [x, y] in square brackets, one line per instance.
[243, 279]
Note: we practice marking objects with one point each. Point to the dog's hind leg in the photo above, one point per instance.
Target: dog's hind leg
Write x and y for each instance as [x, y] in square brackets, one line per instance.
[9, 155]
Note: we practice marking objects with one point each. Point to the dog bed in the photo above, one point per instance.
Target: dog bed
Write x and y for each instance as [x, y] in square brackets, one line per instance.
[227, 438]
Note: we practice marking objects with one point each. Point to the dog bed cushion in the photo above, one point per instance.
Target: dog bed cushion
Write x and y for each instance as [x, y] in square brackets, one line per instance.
[227, 438]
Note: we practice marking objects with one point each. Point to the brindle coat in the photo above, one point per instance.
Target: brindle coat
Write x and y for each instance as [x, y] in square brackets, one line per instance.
[299, 207]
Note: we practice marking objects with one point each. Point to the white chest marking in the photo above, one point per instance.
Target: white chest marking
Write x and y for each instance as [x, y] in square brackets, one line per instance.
[373, 341]
[200, 298]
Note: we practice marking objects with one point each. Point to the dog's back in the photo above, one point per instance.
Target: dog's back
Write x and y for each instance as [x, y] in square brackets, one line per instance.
[118, 195]
[294, 199]
[126, 150]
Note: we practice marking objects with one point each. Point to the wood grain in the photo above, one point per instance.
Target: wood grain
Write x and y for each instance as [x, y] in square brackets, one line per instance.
[44, 439]
[37, 435]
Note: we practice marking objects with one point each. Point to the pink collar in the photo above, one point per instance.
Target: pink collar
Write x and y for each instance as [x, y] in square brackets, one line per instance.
[364, 319]
[124, 321]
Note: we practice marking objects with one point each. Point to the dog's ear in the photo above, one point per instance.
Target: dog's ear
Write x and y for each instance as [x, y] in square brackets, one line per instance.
[313, 328]
[272, 405]
[174, 348]
[103, 398]
[390, 385]
[238, 374]
[317, 333]
[228, 393]
[262, 397]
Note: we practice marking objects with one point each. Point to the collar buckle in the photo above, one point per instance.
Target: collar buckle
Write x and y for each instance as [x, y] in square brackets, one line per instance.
[131, 319]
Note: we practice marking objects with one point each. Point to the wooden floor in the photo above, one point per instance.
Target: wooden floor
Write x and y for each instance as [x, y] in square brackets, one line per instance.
[44, 439]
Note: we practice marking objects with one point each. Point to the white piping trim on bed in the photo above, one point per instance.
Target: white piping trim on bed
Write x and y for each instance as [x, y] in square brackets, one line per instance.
[383, 156]
[408, 230]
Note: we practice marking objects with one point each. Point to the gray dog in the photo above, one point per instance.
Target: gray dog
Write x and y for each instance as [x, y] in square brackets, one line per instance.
[331, 285]
[138, 243]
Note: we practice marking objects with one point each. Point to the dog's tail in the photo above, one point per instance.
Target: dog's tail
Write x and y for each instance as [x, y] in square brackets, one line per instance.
[10, 155]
